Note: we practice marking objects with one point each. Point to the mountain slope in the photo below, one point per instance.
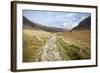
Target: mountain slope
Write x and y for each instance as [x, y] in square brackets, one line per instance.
[84, 25]
[27, 24]
[33, 25]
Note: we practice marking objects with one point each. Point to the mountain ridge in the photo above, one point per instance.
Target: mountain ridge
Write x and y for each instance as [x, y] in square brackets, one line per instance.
[83, 25]
[27, 24]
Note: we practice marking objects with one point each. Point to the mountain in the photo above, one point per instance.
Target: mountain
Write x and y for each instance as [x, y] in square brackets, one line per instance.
[84, 25]
[27, 24]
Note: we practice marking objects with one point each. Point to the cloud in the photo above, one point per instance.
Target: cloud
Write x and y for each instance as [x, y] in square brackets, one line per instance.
[55, 19]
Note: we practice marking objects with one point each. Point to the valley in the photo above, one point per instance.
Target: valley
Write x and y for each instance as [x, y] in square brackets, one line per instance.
[43, 43]
[47, 46]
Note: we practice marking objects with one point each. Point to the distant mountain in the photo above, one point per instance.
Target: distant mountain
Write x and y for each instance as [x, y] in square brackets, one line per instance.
[27, 24]
[84, 25]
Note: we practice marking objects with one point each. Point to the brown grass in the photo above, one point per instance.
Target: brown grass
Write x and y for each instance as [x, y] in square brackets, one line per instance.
[32, 40]
[77, 36]
[72, 45]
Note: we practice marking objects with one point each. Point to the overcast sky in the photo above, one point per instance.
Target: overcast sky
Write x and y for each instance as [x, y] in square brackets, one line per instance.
[55, 19]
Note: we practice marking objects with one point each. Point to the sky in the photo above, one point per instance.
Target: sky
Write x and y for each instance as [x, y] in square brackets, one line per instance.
[66, 20]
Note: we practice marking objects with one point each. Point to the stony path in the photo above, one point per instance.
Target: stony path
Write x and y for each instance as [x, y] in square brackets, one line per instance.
[49, 51]
[53, 50]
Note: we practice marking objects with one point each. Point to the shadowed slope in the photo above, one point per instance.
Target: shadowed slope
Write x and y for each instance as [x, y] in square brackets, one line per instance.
[83, 25]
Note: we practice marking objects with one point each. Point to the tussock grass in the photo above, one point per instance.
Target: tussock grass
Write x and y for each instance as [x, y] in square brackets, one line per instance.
[72, 50]
[81, 37]
[32, 40]
[71, 45]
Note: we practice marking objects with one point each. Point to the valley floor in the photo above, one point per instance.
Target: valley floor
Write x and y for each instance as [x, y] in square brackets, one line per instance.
[57, 46]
